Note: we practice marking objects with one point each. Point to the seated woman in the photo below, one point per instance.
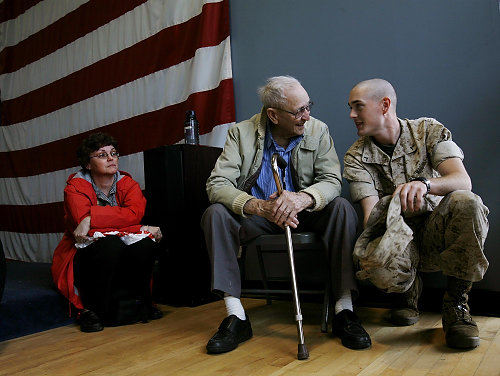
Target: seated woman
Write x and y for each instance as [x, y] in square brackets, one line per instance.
[104, 262]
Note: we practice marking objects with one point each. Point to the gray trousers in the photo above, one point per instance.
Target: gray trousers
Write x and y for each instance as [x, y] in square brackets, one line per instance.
[226, 231]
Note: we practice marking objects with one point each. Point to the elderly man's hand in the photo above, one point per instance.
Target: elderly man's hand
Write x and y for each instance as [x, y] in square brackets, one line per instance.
[411, 195]
[269, 210]
[281, 210]
[287, 206]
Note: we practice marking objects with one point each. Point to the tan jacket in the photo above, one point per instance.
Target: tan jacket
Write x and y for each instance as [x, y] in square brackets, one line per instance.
[314, 164]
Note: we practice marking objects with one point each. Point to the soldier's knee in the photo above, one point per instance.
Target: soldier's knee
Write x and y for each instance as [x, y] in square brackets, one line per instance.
[464, 201]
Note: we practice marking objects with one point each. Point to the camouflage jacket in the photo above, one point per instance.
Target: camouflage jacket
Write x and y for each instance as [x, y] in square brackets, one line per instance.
[423, 144]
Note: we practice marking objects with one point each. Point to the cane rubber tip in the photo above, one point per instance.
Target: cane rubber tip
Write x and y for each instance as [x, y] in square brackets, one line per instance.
[302, 352]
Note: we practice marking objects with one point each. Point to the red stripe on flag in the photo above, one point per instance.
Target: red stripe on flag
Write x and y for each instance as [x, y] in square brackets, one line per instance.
[11, 9]
[81, 21]
[32, 219]
[162, 50]
[142, 132]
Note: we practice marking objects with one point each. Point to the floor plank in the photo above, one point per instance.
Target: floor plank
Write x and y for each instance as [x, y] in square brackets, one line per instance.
[175, 345]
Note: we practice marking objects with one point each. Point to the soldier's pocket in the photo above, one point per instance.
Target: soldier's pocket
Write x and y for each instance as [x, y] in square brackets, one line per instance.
[384, 187]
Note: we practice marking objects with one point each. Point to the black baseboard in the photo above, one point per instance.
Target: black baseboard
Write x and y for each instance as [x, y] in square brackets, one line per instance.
[481, 302]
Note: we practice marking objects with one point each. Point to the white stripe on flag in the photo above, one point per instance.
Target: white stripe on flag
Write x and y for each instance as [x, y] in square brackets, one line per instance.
[35, 19]
[149, 93]
[217, 137]
[30, 247]
[105, 41]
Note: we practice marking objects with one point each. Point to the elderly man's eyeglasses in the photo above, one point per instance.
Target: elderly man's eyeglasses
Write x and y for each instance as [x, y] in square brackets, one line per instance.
[104, 155]
[298, 114]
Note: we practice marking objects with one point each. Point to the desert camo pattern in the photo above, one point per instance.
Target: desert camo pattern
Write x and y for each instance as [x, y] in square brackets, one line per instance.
[448, 234]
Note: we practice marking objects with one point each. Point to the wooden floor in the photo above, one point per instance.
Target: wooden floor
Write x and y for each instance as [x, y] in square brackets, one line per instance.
[175, 345]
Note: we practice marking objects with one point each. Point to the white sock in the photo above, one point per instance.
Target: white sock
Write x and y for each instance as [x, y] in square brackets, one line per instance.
[344, 302]
[234, 307]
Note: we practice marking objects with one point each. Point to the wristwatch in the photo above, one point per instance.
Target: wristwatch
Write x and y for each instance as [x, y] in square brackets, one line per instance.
[425, 181]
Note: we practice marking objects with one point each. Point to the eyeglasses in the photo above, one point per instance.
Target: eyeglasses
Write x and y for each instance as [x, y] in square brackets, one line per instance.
[104, 155]
[298, 114]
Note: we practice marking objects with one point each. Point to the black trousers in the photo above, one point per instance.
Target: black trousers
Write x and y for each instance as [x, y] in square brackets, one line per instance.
[109, 272]
[225, 232]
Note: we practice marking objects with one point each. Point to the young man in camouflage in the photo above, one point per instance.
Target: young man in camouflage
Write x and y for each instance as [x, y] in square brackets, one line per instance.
[418, 161]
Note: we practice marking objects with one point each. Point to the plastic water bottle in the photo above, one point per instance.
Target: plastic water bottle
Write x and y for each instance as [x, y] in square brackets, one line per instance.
[191, 132]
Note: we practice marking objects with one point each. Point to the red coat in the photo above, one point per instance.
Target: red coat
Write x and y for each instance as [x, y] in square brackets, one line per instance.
[80, 201]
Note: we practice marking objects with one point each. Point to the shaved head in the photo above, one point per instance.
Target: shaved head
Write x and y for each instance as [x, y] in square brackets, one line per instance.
[373, 110]
[377, 89]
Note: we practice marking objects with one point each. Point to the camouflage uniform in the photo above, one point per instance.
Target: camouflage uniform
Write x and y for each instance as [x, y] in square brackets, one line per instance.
[449, 231]
[386, 253]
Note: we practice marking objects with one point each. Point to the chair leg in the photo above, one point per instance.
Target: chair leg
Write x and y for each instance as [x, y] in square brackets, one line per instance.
[242, 263]
[263, 275]
[325, 314]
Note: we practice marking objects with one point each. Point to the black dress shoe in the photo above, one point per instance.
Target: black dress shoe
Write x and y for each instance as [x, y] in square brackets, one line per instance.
[347, 327]
[89, 322]
[232, 331]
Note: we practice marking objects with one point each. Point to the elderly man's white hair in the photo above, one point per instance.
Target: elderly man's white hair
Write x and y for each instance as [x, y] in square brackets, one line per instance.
[272, 94]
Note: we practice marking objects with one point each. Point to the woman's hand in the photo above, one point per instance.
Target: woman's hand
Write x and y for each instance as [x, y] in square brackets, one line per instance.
[154, 230]
[82, 230]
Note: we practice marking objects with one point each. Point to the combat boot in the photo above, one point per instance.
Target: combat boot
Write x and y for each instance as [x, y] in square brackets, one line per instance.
[460, 330]
[406, 311]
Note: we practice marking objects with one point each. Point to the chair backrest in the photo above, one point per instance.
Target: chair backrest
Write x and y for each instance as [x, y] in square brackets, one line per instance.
[299, 239]
[274, 248]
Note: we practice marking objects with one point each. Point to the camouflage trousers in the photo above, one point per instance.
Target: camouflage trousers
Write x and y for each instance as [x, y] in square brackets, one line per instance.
[450, 238]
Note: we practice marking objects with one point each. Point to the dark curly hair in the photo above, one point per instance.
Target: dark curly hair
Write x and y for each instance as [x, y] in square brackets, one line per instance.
[91, 144]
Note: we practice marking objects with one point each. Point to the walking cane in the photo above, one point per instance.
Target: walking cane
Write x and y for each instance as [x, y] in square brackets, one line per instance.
[278, 162]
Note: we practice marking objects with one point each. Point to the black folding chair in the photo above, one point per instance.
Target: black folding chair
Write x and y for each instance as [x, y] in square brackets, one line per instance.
[276, 243]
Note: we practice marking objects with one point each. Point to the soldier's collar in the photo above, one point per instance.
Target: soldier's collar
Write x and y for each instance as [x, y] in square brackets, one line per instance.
[405, 145]
[373, 154]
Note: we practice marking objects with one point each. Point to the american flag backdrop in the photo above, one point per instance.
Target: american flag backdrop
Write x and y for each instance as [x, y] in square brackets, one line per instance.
[131, 68]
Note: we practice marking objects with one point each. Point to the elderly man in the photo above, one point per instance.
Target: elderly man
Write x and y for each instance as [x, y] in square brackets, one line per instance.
[245, 205]
[417, 162]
